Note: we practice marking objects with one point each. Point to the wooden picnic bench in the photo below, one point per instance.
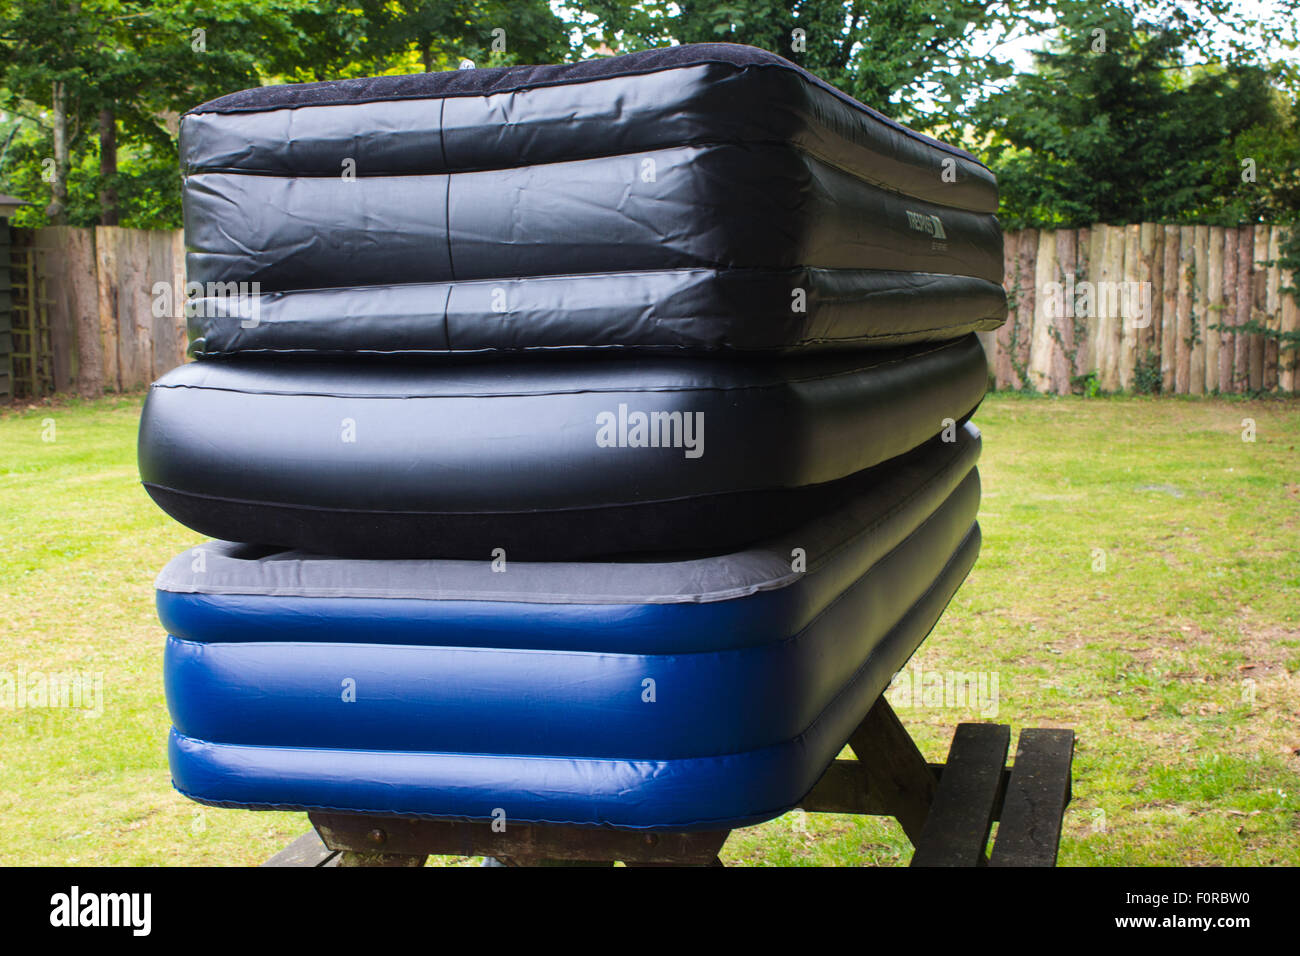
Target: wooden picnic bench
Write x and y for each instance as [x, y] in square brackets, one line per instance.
[947, 810]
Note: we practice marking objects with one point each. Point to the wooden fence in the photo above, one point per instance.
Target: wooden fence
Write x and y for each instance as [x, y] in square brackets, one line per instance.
[1143, 306]
[95, 294]
[1136, 305]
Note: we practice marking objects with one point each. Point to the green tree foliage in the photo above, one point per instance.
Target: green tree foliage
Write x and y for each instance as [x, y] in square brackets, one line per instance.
[918, 60]
[1112, 126]
[1157, 125]
[91, 91]
[71, 71]
[485, 32]
[333, 39]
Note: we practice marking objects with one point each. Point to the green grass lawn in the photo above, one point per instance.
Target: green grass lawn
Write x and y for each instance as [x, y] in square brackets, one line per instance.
[1140, 582]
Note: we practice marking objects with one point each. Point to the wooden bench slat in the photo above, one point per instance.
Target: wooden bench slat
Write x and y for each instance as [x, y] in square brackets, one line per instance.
[961, 816]
[307, 850]
[1037, 795]
[843, 788]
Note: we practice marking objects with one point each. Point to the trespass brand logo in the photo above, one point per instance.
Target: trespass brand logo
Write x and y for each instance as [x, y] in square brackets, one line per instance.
[624, 429]
[929, 224]
[77, 909]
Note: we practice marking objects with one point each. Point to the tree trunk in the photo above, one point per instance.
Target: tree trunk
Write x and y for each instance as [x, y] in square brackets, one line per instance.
[57, 210]
[108, 214]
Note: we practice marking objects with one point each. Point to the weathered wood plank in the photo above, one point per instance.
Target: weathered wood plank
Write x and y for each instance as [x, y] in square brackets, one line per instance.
[1152, 242]
[1002, 350]
[1082, 323]
[90, 355]
[166, 325]
[1129, 301]
[66, 258]
[52, 246]
[307, 850]
[106, 238]
[1108, 263]
[1022, 336]
[135, 309]
[178, 271]
[1096, 310]
[1258, 286]
[1061, 370]
[1272, 309]
[843, 788]
[352, 858]
[1289, 321]
[956, 832]
[398, 837]
[1227, 338]
[1214, 307]
[1200, 307]
[1183, 341]
[896, 769]
[1242, 295]
[1169, 307]
[1096, 270]
[1042, 344]
[1036, 798]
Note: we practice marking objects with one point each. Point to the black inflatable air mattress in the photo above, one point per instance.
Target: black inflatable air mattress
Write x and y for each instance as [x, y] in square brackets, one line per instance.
[563, 460]
[712, 179]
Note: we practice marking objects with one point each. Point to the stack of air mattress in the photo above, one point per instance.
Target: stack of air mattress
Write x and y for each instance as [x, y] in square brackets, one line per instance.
[585, 443]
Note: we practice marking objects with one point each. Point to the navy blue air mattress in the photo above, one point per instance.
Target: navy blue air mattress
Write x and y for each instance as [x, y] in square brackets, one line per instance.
[697, 692]
[562, 460]
[706, 197]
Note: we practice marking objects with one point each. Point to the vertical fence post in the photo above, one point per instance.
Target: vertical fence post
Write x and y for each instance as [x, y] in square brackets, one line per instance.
[1288, 322]
[1272, 308]
[1242, 296]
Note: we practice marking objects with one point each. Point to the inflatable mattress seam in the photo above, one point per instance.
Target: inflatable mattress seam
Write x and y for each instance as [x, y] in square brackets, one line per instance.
[982, 324]
[584, 509]
[789, 639]
[694, 270]
[772, 584]
[908, 359]
[700, 144]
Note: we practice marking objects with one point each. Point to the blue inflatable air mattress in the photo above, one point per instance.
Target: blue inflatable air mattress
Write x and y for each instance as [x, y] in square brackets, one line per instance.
[682, 693]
